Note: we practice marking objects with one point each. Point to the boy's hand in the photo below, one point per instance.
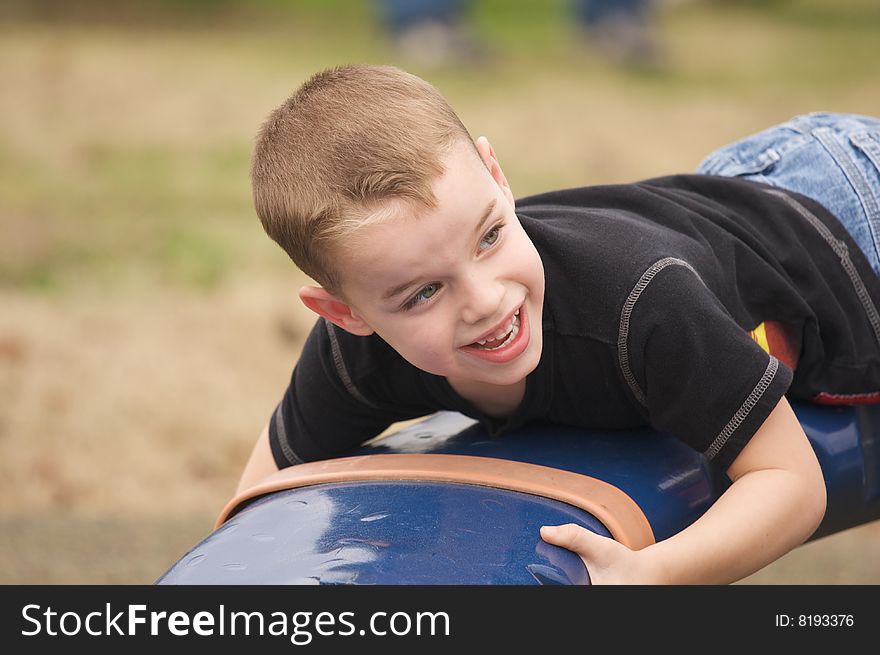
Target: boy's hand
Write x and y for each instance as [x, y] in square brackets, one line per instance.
[776, 500]
[607, 561]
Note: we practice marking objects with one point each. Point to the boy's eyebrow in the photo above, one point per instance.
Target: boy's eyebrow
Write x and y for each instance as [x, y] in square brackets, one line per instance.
[400, 288]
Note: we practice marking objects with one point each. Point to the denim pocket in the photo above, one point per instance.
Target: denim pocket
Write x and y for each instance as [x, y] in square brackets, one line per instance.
[760, 164]
[753, 155]
[726, 164]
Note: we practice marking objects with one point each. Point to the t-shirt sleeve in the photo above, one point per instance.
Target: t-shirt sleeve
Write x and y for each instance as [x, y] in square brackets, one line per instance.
[326, 410]
[697, 374]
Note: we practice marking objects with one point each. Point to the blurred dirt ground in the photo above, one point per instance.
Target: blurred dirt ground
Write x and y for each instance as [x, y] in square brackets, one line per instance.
[148, 327]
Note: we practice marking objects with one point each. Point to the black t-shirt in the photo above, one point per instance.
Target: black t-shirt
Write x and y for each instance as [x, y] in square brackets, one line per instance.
[688, 303]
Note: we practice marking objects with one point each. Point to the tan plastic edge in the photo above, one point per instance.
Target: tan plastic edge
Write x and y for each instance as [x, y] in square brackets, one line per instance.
[617, 511]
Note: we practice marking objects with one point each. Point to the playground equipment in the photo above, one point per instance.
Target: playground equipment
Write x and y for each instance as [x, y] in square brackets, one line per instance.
[441, 502]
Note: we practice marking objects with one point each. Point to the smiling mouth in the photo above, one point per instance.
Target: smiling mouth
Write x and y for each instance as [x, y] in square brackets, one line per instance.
[500, 340]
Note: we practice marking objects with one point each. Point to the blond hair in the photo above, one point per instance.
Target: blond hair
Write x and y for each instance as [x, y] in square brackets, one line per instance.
[332, 156]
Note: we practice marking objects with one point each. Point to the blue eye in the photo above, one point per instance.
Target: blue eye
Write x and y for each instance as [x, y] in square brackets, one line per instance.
[423, 295]
[490, 237]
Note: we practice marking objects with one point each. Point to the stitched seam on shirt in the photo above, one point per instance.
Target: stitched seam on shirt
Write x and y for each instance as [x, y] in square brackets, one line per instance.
[340, 366]
[626, 313]
[842, 251]
[281, 431]
[743, 411]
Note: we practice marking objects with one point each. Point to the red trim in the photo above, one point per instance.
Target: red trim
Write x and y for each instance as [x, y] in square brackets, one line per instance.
[844, 399]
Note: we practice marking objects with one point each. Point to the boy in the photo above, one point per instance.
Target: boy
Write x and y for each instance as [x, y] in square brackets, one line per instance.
[602, 307]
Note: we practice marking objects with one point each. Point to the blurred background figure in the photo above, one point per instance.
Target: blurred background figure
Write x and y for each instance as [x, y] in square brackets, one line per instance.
[434, 32]
[620, 29]
[431, 32]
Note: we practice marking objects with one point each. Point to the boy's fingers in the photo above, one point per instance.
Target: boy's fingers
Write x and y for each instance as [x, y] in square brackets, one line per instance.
[570, 536]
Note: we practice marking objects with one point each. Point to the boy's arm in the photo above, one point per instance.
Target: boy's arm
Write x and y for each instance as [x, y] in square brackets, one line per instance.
[260, 464]
[775, 503]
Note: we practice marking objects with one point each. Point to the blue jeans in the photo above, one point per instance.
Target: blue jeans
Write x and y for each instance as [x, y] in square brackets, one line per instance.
[595, 12]
[832, 158]
[402, 14]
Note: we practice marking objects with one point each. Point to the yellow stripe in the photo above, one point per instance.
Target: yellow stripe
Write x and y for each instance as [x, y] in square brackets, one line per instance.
[759, 334]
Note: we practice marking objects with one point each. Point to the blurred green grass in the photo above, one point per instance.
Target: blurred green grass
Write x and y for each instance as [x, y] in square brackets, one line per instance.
[128, 241]
[99, 194]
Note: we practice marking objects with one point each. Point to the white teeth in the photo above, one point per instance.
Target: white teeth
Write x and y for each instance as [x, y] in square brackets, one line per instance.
[512, 336]
[511, 332]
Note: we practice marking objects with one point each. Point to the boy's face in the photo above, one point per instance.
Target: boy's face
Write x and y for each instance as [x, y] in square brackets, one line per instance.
[435, 284]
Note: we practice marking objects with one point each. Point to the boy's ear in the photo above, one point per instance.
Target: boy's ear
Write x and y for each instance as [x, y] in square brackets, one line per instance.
[338, 312]
[487, 154]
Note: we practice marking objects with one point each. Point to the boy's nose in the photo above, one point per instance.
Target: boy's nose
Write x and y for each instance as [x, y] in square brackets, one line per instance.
[482, 300]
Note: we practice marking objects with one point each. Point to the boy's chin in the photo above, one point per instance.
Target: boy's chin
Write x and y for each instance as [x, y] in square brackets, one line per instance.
[510, 377]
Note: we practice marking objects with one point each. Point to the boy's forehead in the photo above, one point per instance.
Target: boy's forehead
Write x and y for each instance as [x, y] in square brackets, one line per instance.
[390, 256]
[464, 193]
[461, 164]
[401, 237]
